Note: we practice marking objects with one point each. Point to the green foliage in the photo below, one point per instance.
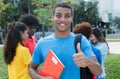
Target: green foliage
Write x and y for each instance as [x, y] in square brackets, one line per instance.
[3, 66]
[43, 8]
[112, 65]
[85, 11]
[116, 22]
[6, 13]
[24, 7]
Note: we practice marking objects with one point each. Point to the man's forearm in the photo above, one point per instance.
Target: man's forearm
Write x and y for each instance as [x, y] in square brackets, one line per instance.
[94, 66]
[34, 74]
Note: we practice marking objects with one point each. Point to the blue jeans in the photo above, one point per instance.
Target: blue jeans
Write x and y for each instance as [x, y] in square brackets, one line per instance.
[101, 78]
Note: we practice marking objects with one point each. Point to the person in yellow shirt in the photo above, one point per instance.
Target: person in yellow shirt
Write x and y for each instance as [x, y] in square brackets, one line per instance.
[16, 56]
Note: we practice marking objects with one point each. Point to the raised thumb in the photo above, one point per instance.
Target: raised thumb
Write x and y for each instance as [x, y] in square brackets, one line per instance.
[78, 48]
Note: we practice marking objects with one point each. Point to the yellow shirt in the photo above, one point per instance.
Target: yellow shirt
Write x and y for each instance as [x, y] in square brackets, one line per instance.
[18, 69]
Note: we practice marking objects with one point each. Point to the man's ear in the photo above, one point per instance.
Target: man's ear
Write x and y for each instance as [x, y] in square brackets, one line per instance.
[72, 19]
[21, 33]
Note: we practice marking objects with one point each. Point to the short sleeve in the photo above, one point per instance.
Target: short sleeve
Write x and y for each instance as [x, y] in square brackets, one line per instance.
[37, 56]
[26, 56]
[86, 47]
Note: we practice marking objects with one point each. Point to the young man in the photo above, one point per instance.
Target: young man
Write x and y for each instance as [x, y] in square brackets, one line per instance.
[62, 43]
[31, 21]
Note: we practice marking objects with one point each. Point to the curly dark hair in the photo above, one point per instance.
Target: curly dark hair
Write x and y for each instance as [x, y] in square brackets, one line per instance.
[63, 5]
[84, 28]
[29, 19]
[12, 39]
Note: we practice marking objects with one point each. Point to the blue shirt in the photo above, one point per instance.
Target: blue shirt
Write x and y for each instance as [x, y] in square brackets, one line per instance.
[64, 49]
[97, 54]
[104, 51]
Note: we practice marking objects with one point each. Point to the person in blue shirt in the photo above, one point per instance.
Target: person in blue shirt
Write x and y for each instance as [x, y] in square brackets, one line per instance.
[62, 44]
[100, 43]
[86, 29]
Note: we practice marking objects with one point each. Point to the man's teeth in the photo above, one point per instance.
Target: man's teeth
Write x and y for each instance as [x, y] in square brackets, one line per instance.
[62, 24]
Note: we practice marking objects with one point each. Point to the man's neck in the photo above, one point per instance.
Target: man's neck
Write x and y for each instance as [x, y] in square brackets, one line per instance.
[30, 37]
[62, 34]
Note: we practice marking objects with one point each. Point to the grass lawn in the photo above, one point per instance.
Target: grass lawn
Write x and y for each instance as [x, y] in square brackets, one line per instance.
[112, 65]
[3, 66]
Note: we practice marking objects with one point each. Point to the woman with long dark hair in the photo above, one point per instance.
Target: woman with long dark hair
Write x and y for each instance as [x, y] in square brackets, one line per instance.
[16, 56]
[99, 42]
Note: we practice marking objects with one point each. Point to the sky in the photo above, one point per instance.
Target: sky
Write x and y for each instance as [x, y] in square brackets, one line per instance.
[116, 7]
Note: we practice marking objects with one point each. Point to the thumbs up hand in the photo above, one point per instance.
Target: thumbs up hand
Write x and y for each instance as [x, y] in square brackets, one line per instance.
[79, 58]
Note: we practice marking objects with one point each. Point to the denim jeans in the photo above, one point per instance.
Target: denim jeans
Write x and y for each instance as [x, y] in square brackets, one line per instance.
[101, 78]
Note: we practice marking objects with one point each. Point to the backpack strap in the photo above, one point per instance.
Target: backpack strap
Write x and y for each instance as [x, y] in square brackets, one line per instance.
[84, 72]
[78, 38]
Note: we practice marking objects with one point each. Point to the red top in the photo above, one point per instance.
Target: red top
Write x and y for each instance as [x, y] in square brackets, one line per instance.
[30, 43]
[94, 77]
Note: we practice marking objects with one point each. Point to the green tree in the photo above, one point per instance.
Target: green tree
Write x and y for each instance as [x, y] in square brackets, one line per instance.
[43, 8]
[116, 22]
[85, 11]
[6, 13]
[25, 7]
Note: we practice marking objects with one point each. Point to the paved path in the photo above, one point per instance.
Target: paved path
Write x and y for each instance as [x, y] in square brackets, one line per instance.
[114, 47]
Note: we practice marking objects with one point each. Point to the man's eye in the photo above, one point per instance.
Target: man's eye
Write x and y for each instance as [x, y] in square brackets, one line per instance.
[58, 16]
[67, 16]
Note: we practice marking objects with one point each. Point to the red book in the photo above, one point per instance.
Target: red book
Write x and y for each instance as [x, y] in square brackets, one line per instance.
[52, 66]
